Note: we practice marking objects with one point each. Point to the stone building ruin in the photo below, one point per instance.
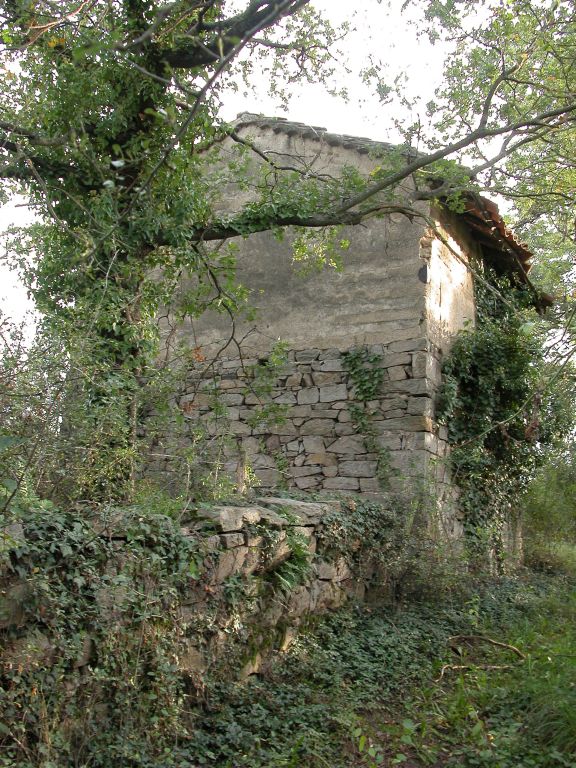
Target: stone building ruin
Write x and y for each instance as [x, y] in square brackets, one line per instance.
[405, 291]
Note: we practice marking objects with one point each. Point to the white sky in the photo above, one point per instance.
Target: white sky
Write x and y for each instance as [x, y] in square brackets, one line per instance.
[387, 35]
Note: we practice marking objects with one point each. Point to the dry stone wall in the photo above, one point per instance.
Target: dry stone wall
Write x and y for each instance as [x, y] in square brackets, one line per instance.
[296, 426]
[265, 568]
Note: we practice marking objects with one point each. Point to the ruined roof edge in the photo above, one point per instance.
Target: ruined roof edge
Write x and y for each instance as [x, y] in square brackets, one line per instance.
[361, 144]
[481, 214]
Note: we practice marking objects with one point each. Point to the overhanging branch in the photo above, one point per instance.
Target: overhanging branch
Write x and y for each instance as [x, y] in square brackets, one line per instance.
[260, 15]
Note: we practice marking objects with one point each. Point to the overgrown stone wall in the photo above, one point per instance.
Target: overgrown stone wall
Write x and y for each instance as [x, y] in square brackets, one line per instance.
[261, 570]
[301, 423]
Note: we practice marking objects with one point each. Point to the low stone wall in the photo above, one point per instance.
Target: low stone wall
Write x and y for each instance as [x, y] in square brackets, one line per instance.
[297, 428]
[248, 552]
[265, 568]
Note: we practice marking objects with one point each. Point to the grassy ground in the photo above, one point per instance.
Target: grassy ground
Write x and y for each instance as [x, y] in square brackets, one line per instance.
[486, 680]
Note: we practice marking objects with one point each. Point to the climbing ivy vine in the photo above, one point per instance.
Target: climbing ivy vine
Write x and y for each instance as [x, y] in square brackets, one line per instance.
[500, 412]
[366, 374]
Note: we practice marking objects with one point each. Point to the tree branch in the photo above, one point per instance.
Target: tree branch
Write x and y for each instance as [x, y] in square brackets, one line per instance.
[260, 15]
[32, 136]
[241, 228]
[422, 161]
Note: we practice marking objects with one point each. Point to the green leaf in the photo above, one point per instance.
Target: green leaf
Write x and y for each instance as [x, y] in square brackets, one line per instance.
[9, 441]
[10, 484]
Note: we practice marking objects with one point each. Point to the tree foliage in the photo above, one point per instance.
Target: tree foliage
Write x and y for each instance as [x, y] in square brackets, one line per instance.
[110, 109]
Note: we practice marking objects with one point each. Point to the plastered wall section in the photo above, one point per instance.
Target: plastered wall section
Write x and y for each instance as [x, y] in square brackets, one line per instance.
[377, 298]
[449, 254]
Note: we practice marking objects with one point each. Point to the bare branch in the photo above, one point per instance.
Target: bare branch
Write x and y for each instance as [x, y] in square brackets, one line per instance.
[422, 161]
[32, 136]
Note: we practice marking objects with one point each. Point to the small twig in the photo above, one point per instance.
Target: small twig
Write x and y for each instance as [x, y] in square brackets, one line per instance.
[484, 639]
[460, 667]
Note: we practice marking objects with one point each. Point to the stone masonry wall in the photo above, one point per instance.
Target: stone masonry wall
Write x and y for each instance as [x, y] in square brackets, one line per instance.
[300, 432]
[237, 610]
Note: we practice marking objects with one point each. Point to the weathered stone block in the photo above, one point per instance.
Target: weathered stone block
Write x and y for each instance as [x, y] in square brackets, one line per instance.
[411, 464]
[322, 379]
[325, 570]
[409, 345]
[341, 483]
[251, 667]
[307, 355]
[313, 444]
[358, 468]
[301, 411]
[396, 373]
[229, 563]
[425, 364]
[324, 459]
[232, 540]
[345, 445]
[262, 461]
[231, 398]
[319, 412]
[421, 406]
[308, 396]
[393, 360]
[307, 482]
[294, 380]
[333, 393]
[344, 429]
[318, 427]
[284, 428]
[273, 519]
[328, 365]
[299, 601]
[268, 477]
[409, 386]
[230, 384]
[226, 518]
[406, 424]
[325, 594]
[272, 444]
[305, 471]
[286, 398]
[329, 354]
[279, 554]
[392, 442]
[239, 428]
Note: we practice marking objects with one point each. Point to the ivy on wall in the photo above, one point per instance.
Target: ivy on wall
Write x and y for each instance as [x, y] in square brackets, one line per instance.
[500, 415]
[366, 374]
